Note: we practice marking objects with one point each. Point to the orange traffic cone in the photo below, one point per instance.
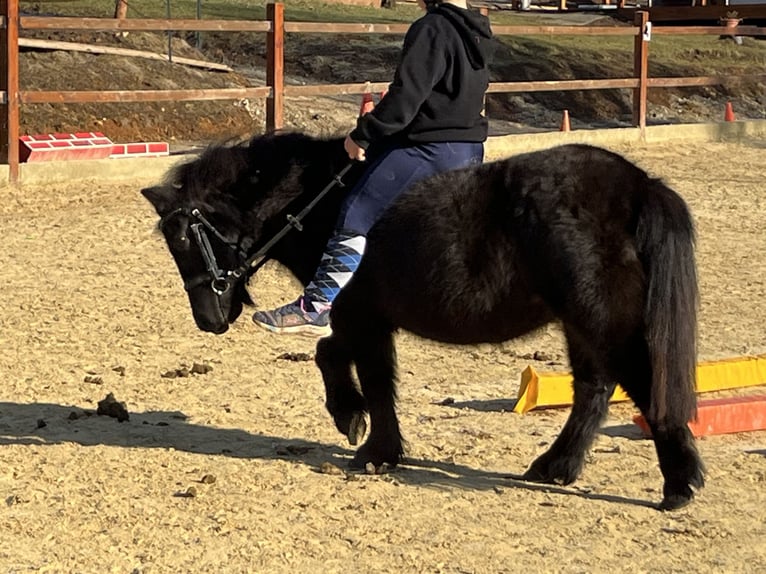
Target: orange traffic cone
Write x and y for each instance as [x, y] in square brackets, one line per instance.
[367, 104]
[729, 113]
[565, 122]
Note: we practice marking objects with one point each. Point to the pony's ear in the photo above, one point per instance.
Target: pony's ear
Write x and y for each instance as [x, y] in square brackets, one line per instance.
[160, 196]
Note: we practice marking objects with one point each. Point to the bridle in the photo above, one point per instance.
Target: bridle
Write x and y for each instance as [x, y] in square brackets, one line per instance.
[222, 280]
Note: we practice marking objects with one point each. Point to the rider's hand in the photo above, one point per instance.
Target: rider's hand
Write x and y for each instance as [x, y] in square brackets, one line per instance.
[353, 149]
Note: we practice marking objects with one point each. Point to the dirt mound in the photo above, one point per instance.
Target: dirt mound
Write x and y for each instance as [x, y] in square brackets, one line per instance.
[62, 70]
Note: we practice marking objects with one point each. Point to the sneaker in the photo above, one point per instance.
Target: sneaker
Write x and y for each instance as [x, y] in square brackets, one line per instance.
[295, 318]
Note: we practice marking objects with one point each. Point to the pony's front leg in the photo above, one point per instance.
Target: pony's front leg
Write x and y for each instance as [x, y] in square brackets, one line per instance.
[563, 461]
[375, 359]
[343, 401]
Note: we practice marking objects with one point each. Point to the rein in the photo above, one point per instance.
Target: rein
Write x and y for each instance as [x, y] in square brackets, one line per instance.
[292, 222]
[221, 281]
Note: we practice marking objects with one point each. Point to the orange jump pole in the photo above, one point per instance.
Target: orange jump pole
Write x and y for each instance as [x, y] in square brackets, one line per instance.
[723, 416]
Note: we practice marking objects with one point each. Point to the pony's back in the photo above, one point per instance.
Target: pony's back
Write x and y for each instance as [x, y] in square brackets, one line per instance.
[511, 238]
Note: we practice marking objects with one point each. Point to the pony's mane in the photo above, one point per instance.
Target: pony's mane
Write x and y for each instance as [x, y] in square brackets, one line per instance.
[216, 168]
[242, 184]
[227, 167]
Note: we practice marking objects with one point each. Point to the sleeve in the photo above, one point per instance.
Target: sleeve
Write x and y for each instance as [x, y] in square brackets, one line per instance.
[423, 63]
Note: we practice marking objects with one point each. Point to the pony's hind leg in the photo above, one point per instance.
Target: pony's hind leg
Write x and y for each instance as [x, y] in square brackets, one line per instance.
[680, 462]
[342, 399]
[563, 461]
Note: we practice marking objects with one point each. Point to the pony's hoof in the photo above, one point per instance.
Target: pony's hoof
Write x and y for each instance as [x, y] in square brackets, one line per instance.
[377, 457]
[357, 428]
[674, 502]
[676, 498]
[561, 471]
[533, 475]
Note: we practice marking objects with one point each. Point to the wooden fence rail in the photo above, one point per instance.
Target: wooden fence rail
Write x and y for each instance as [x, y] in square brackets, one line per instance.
[275, 91]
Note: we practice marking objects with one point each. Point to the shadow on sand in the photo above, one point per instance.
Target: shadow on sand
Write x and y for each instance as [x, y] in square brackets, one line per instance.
[628, 431]
[45, 424]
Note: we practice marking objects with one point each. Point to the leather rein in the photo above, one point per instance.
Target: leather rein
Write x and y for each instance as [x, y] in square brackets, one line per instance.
[223, 280]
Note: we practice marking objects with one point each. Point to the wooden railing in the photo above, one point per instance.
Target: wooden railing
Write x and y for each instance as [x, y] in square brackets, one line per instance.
[275, 91]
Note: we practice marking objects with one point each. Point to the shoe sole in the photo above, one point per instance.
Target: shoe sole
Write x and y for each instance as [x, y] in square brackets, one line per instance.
[297, 329]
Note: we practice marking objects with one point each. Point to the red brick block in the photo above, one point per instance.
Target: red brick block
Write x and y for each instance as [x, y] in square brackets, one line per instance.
[60, 146]
[140, 149]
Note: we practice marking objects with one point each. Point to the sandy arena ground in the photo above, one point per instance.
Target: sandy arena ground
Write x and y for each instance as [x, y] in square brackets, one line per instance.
[93, 305]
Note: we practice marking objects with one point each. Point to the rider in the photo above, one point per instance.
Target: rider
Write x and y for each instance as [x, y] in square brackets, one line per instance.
[429, 121]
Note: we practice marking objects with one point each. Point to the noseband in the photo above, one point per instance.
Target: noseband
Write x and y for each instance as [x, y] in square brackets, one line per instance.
[221, 281]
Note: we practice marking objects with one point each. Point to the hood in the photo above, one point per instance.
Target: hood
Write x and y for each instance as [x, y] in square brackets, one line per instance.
[475, 31]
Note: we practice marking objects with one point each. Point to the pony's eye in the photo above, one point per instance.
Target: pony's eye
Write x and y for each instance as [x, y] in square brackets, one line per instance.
[179, 242]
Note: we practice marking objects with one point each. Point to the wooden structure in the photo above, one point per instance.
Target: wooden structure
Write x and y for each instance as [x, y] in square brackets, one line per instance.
[659, 10]
[275, 91]
[370, 3]
[692, 11]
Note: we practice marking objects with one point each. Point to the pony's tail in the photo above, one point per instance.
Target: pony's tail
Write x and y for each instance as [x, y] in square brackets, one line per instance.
[665, 235]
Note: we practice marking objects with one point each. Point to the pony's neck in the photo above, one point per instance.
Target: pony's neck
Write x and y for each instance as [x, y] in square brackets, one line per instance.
[301, 251]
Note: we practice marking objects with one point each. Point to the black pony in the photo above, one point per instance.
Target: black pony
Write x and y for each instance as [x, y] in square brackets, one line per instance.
[575, 233]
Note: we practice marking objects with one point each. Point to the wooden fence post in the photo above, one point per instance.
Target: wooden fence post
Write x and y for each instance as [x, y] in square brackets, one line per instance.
[641, 69]
[121, 9]
[9, 83]
[275, 61]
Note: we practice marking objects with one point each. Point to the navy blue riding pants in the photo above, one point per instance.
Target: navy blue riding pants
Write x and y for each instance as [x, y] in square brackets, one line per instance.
[395, 170]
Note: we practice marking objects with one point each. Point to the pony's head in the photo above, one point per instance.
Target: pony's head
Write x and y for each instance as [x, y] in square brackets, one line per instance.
[202, 223]
[218, 208]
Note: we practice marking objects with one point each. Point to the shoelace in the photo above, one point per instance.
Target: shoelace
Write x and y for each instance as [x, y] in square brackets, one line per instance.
[296, 307]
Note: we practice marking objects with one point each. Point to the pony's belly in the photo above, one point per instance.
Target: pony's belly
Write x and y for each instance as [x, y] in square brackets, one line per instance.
[469, 328]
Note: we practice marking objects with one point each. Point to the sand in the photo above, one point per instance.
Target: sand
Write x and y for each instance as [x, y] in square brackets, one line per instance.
[219, 467]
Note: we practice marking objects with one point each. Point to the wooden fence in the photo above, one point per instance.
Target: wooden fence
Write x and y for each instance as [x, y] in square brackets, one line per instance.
[275, 91]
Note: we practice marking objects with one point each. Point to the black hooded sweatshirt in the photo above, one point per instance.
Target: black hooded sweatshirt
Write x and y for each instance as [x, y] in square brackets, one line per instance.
[438, 90]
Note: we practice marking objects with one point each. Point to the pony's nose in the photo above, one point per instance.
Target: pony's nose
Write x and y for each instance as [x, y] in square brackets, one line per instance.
[215, 328]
